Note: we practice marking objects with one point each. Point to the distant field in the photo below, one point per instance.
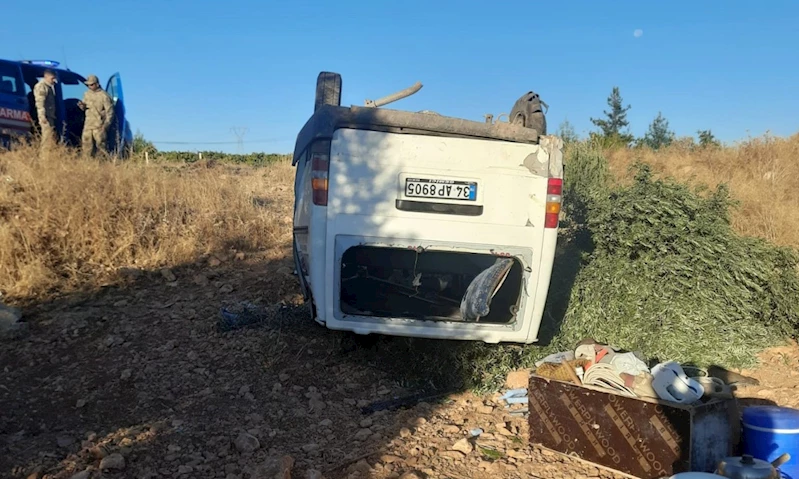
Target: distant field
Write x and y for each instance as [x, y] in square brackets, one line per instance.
[762, 173]
[67, 223]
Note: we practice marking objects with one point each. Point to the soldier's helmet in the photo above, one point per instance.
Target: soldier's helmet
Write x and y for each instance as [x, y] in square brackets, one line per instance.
[92, 79]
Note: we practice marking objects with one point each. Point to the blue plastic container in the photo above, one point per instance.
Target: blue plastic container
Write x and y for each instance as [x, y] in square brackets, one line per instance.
[770, 431]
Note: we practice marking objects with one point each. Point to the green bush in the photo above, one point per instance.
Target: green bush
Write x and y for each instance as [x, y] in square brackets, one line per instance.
[653, 266]
[668, 277]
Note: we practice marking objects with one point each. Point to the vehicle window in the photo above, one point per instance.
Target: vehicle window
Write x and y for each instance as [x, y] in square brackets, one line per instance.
[72, 86]
[10, 81]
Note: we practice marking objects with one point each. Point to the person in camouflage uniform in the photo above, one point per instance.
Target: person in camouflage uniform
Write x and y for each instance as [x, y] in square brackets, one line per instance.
[44, 95]
[99, 114]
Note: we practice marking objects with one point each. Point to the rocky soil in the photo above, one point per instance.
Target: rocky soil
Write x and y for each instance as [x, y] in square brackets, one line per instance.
[137, 382]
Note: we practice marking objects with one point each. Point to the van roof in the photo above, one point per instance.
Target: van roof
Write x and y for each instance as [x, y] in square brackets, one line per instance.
[329, 118]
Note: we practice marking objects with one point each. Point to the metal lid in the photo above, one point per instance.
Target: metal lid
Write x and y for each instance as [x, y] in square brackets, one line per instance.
[772, 417]
[747, 467]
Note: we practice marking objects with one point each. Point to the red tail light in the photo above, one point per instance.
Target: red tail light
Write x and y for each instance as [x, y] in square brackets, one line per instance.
[554, 195]
[320, 169]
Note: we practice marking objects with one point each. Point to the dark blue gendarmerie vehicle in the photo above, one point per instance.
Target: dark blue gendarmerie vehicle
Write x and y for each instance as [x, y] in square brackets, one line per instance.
[18, 117]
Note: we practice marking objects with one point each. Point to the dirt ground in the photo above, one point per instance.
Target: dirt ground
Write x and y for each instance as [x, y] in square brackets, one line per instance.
[137, 380]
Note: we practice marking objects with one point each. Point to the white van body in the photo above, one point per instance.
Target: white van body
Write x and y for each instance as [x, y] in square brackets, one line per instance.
[397, 212]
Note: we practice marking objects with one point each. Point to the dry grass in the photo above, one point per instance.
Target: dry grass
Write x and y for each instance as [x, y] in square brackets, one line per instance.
[66, 223]
[762, 173]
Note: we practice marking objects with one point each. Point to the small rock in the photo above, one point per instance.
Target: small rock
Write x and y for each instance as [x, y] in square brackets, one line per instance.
[389, 459]
[244, 390]
[455, 455]
[111, 341]
[503, 431]
[255, 417]
[98, 452]
[284, 377]
[463, 446]
[80, 403]
[361, 466]
[213, 261]
[168, 275]
[518, 379]
[246, 443]
[484, 409]
[405, 433]
[81, 475]
[240, 256]
[367, 422]
[9, 316]
[185, 469]
[200, 280]
[126, 374]
[326, 423]
[37, 473]
[226, 288]
[450, 429]
[121, 303]
[363, 434]
[310, 447]
[65, 441]
[419, 421]
[313, 474]
[114, 461]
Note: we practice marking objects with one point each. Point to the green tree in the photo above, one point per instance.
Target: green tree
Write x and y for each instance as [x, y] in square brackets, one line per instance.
[659, 134]
[707, 140]
[566, 132]
[612, 128]
[140, 144]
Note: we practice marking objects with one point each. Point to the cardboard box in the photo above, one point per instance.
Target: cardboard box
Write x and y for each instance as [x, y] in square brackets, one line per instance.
[643, 438]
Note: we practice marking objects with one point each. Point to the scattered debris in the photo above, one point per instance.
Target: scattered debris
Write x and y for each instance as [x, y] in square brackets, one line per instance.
[404, 401]
[240, 315]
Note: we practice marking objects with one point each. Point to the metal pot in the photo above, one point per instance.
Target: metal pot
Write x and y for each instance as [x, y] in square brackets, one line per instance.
[747, 467]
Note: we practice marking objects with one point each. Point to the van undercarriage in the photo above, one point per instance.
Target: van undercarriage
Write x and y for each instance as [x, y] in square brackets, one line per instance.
[430, 285]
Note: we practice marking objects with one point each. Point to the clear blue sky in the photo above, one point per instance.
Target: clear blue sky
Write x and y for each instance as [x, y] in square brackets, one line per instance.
[191, 70]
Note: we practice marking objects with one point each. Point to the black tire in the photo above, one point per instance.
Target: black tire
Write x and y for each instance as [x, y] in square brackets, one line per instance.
[528, 112]
[328, 90]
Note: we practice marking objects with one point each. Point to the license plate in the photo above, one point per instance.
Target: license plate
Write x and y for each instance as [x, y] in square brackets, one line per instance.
[441, 189]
